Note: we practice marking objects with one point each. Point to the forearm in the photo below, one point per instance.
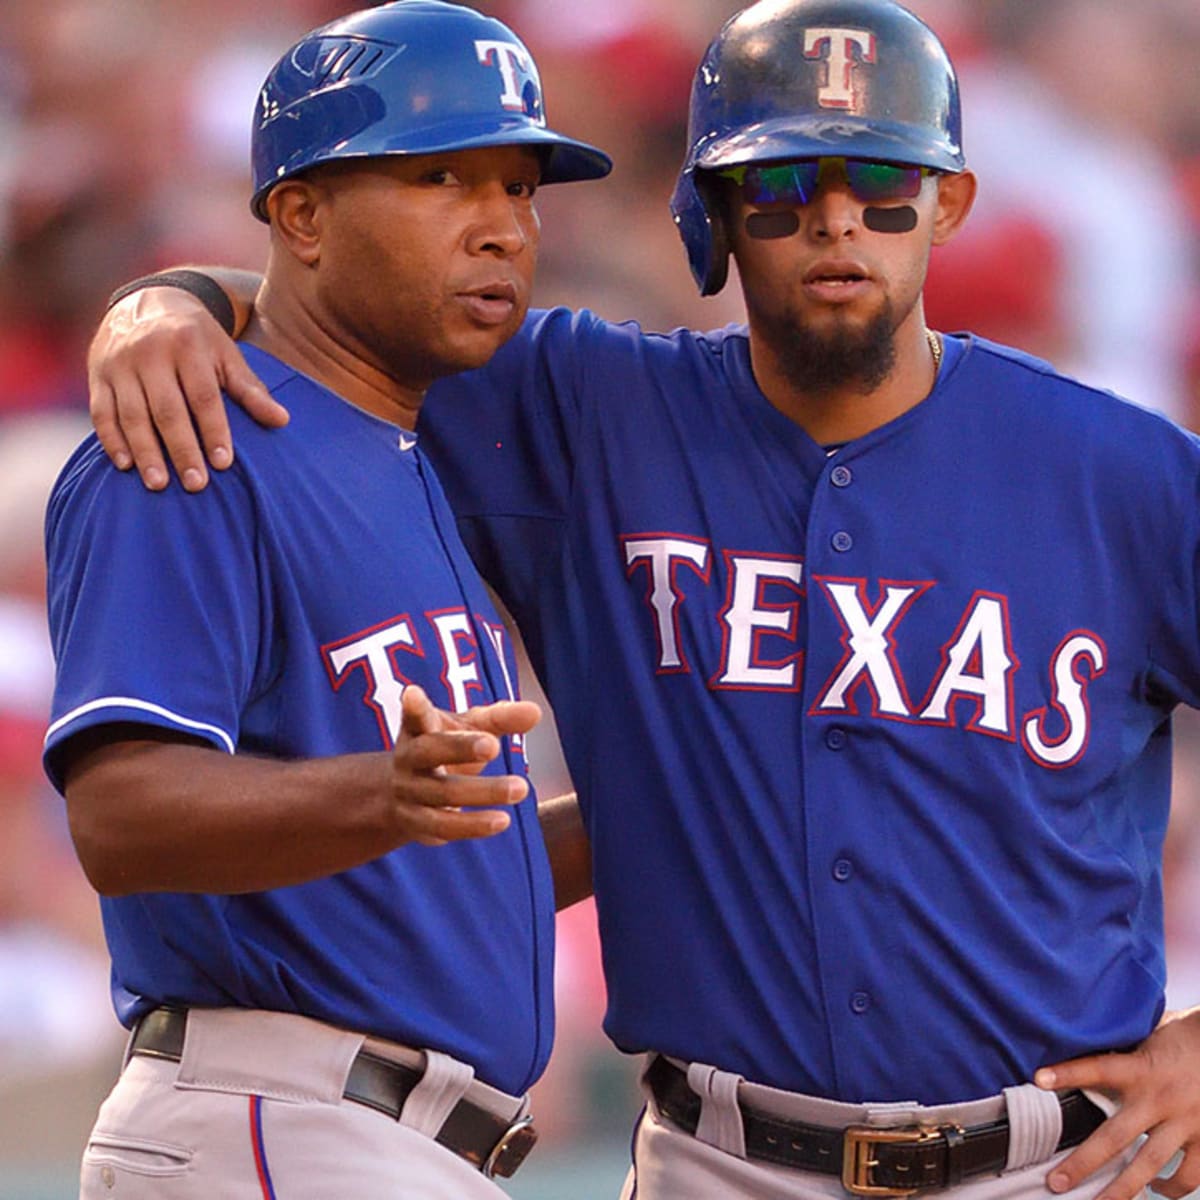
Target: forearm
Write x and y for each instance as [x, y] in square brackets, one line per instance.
[569, 848]
[149, 816]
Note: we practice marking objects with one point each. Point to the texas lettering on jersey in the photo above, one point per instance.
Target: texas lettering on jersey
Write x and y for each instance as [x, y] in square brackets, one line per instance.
[374, 658]
[762, 609]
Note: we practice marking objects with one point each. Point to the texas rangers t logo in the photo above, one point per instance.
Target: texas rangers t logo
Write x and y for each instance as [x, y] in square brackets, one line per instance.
[513, 64]
[838, 90]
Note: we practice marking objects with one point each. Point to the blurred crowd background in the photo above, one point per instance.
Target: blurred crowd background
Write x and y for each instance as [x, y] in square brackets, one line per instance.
[124, 133]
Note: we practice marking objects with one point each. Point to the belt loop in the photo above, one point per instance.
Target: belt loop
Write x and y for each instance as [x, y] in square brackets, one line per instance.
[720, 1115]
[954, 1154]
[1034, 1125]
[127, 1057]
[442, 1086]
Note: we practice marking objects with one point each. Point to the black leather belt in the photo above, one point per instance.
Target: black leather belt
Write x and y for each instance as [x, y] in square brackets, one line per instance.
[485, 1140]
[871, 1161]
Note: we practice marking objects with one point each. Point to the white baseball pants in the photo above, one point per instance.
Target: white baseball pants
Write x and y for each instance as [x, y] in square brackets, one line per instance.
[254, 1111]
[669, 1164]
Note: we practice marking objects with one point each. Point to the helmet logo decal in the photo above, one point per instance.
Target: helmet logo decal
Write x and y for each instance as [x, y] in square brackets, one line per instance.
[514, 64]
[838, 90]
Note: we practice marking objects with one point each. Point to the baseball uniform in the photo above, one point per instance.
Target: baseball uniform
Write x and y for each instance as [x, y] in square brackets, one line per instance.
[282, 613]
[872, 743]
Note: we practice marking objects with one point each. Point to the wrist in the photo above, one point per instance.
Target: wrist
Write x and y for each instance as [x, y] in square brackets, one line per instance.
[195, 283]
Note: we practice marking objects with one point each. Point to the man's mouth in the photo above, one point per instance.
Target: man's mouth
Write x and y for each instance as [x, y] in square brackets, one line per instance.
[490, 303]
[500, 290]
[836, 273]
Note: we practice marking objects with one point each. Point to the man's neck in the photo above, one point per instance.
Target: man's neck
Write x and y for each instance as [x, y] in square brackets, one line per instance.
[290, 332]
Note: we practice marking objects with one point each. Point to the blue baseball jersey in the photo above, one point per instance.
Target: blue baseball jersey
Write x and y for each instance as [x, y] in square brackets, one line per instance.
[281, 613]
[874, 745]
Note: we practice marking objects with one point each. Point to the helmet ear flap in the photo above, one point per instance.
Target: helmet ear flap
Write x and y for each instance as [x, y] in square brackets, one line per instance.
[699, 216]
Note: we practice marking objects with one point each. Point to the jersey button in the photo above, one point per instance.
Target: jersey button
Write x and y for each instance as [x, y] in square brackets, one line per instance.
[835, 738]
[860, 1002]
[843, 869]
[841, 541]
[841, 477]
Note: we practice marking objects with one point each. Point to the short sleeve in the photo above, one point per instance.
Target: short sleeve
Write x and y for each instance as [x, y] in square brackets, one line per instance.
[155, 604]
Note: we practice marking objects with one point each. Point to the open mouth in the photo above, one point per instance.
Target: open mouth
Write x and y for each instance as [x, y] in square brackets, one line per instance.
[502, 292]
[491, 303]
[839, 273]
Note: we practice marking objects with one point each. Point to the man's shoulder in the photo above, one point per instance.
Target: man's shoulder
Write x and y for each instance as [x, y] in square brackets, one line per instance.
[86, 468]
[315, 411]
[1026, 400]
[1045, 383]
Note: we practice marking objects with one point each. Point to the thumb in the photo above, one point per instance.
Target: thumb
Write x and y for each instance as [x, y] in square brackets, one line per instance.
[503, 716]
[417, 713]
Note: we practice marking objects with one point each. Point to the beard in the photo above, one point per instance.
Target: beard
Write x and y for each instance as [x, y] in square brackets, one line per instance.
[819, 363]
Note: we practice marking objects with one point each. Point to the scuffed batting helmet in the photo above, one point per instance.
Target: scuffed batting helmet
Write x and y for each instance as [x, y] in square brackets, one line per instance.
[805, 78]
[411, 77]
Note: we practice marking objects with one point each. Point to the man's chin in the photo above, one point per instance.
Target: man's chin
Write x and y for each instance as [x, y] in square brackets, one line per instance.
[471, 351]
[475, 347]
[845, 353]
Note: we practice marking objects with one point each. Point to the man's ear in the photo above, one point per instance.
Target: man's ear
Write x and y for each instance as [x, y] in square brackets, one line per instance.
[294, 209]
[956, 195]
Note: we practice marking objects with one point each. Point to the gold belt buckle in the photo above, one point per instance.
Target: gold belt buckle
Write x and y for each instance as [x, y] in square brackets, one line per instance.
[858, 1157]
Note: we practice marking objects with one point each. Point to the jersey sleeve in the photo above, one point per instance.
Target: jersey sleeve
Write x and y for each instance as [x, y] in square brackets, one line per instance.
[1163, 517]
[503, 436]
[155, 604]
[504, 440]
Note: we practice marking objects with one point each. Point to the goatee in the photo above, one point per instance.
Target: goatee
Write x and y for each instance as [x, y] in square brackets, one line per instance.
[818, 363]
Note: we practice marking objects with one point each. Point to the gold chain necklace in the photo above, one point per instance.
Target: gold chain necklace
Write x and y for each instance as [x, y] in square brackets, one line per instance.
[935, 348]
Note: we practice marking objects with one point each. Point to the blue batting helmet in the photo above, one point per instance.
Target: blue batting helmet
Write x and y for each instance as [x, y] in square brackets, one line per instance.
[411, 77]
[805, 78]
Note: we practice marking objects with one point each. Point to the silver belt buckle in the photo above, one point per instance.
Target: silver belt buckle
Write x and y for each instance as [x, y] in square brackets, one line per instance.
[510, 1151]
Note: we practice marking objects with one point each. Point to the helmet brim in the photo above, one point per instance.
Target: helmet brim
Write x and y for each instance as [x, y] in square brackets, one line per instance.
[565, 160]
[847, 137]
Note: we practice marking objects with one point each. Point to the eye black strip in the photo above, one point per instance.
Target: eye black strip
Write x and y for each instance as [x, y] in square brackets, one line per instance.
[765, 226]
[891, 220]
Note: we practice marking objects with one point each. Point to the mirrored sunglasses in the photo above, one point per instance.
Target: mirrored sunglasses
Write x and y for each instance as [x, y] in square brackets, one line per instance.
[795, 183]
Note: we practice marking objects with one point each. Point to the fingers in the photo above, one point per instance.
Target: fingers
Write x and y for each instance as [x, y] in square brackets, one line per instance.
[1105, 1072]
[1109, 1073]
[157, 367]
[417, 711]
[503, 717]
[102, 404]
[191, 439]
[1183, 1182]
[245, 388]
[202, 382]
[136, 422]
[446, 808]
[1145, 1167]
[438, 795]
[1112, 1139]
[459, 754]
[445, 826]
[167, 404]
[1156, 1086]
